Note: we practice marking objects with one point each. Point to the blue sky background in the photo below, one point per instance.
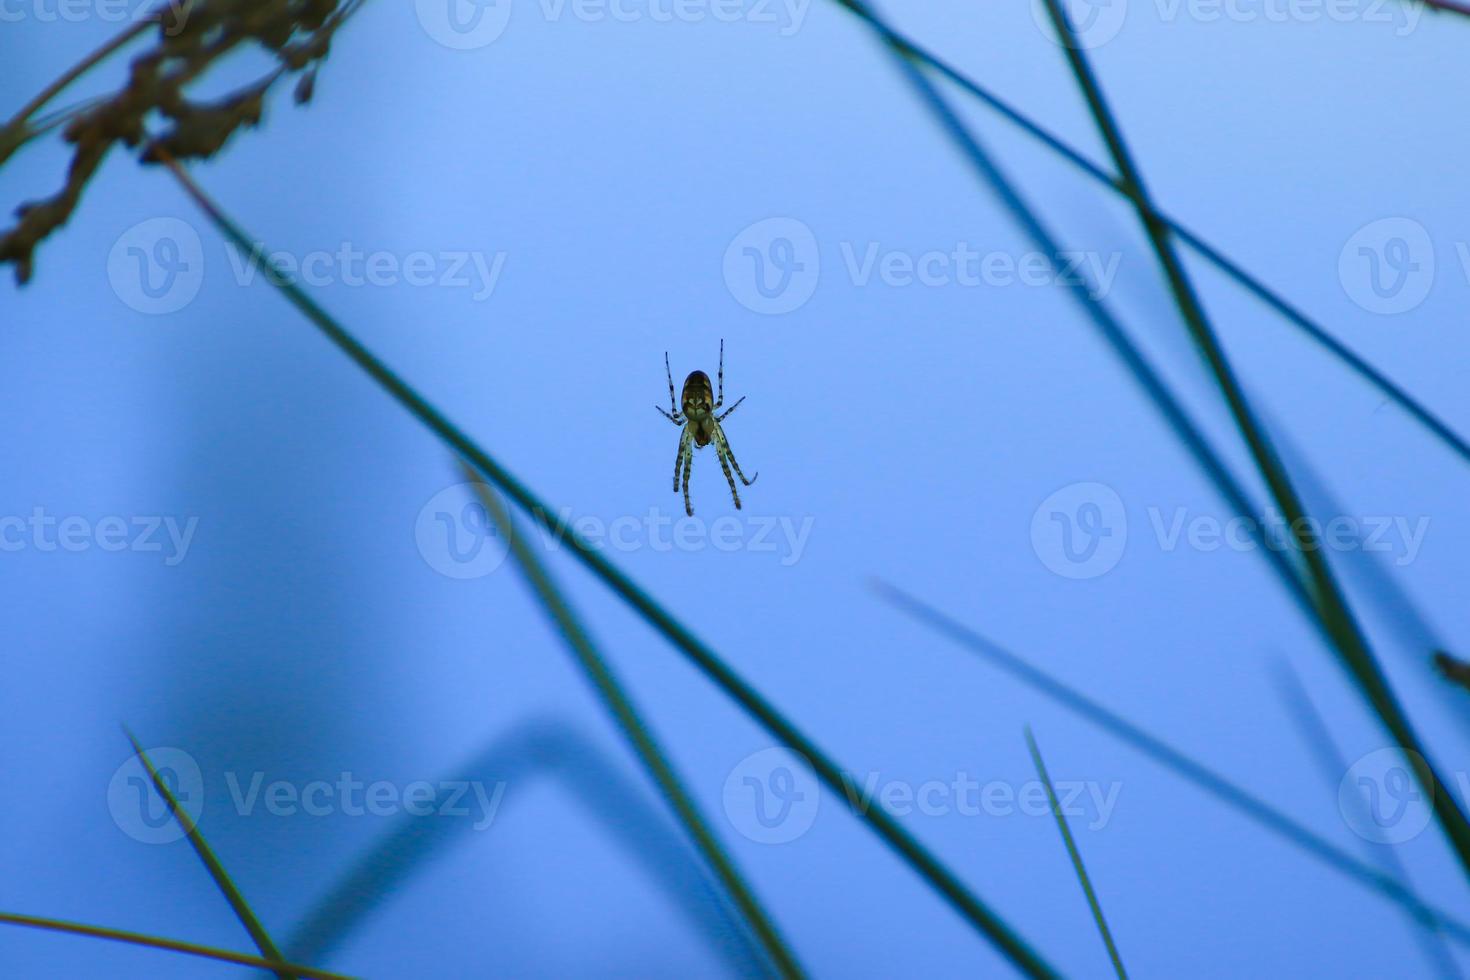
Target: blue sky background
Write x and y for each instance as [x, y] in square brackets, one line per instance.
[913, 430]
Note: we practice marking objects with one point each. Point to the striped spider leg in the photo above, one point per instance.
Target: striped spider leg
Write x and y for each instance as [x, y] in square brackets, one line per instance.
[701, 426]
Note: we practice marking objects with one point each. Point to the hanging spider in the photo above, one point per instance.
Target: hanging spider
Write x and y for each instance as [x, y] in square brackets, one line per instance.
[701, 427]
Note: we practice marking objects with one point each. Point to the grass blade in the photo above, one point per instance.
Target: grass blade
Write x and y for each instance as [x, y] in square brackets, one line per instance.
[160, 942]
[1076, 856]
[1172, 759]
[216, 870]
[642, 740]
[1337, 617]
[878, 818]
[912, 51]
[1332, 764]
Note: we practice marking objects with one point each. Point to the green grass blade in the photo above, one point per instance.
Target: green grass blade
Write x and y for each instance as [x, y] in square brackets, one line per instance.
[162, 942]
[909, 49]
[1172, 759]
[1336, 614]
[1076, 856]
[1330, 761]
[628, 718]
[216, 870]
[878, 818]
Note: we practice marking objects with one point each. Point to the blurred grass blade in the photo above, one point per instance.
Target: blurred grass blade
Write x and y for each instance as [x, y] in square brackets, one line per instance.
[216, 870]
[1337, 616]
[1076, 856]
[627, 717]
[878, 818]
[904, 46]
[160, 942]
[1182, 765]
[1333, 766]
[612, 798]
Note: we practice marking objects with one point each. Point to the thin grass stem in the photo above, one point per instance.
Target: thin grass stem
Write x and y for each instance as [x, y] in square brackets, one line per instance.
[162, 942]
[1076, 857]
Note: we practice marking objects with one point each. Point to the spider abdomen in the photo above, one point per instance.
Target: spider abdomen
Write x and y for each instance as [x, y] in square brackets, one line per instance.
[699, 394]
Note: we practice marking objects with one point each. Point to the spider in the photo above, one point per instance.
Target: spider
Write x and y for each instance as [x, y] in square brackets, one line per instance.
[701, 427]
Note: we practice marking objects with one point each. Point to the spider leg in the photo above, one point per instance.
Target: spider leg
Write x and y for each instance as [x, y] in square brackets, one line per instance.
[688, 453]
[724, 446]
[720, 398]
[676, 418]
[679, 459]
[724, 465]
[673, 404]
[730, 409]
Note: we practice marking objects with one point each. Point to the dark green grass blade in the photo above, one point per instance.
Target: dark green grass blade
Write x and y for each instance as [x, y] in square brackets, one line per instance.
[1332, 765]
[162, 942]
[905, 46]
[1337, 616]
[1076, 856]
[879, 819]
[216, 870]
[1170, 758]
[629, 719]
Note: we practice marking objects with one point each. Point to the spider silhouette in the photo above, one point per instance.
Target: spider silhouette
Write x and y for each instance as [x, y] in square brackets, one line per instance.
[702, 427]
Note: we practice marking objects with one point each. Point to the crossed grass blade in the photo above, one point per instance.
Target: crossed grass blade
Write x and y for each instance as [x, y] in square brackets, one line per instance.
[163, 942]
[212, 864]
[628, 718]
[1331, 603]
[909, 49]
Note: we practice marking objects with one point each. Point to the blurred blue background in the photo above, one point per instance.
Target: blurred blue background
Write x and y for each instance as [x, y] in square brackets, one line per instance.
[554, 199]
